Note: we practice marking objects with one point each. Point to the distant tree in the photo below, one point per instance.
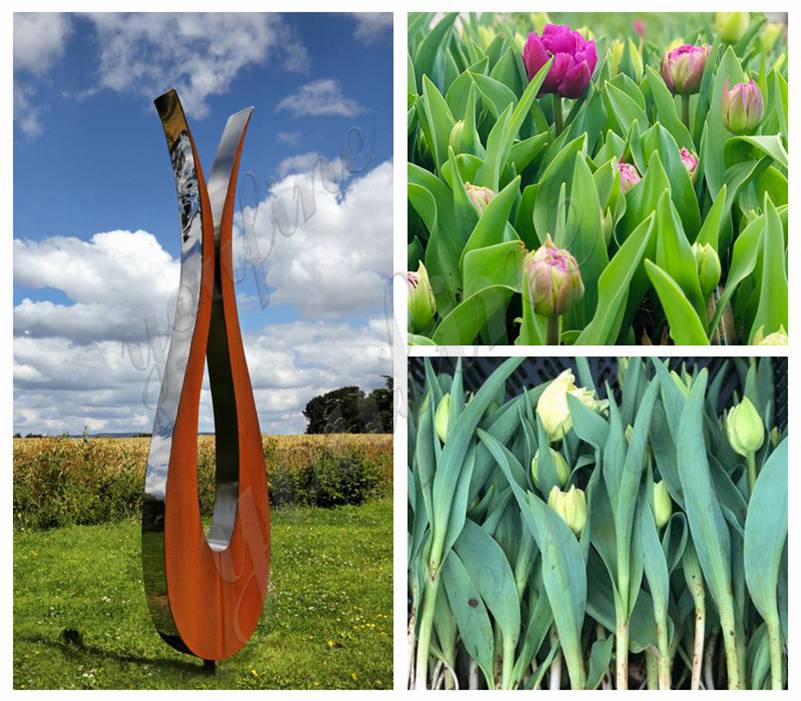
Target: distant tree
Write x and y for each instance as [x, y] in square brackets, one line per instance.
[378, 409]
[338, 411]
[349, 410]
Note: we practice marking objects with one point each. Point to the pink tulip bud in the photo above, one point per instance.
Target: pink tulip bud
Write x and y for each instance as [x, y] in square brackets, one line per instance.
[574, 59]
[629, 176]
[553, 278]
[683, 68]
[690, 161]
[742, 107]
[639, 27]
[479, 196]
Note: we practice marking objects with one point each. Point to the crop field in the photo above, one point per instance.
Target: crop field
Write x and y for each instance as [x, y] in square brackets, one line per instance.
[64, 481]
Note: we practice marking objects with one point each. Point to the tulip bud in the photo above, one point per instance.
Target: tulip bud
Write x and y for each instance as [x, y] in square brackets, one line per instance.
[639, 27]
[479, 196]
[560, 465]
[552, 408]
[690, 161]
[774, 436]
[421, 304]
[742, 107]
[441, 417]
[708, 262]
[571, 506]
[662, 505]
[683, 67]
[539, 20]
[455, 138]
[745, 429]
[777, 338]
[553, 278]
[613, 56]
[684, 388]
[608, 224]
[629, 176]
[486, 35]
[731, 26]
[632, 62]
[770, 33]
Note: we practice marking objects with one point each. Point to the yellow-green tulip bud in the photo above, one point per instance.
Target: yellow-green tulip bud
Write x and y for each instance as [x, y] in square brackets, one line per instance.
[456, 136]
[774, 436]
[685, 389]
[731, 26]
[708, 263]
[539, 20]
[745, 428]
[777, 338]
[636, 62]
[559, 463]
[608, 225]
[613, 56]
[441, 417]
[770, 33]
[552, 408]
[421, 303]
[571, 506]
[486, 35]
[662, 505]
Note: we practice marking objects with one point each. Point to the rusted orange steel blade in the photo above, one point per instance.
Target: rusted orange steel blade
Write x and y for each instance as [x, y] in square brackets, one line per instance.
[205, 590]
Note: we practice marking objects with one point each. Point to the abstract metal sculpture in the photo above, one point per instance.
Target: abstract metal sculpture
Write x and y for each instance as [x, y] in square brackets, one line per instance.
[205, 591]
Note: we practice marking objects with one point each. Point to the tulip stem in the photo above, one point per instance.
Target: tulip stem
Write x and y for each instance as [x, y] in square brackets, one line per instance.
[557, 113]
[622, 652]
[775, 641]
[651, 670]
[752, 472]
[424, 635]
[553, 330]
[685, 111]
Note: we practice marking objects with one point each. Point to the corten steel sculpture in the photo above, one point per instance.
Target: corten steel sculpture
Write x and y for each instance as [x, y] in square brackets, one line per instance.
[205, 590]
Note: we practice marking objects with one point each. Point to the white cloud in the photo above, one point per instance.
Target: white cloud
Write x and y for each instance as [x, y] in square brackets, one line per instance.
[62, 387]
[39, 39]
[321, 97]
[332, 170]
[27, 114]
[289, 137]
[116, 281]
[328, 249]
[197, 53]
[371, 26]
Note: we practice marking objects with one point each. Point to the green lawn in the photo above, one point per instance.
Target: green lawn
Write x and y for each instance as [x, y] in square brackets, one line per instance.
[81, 621]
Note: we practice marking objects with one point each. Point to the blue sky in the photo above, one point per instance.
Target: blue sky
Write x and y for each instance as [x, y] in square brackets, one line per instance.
[95, 217]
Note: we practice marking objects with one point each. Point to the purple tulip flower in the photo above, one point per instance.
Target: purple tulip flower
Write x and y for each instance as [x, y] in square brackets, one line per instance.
[553, 278]
[683, 68]
[574, 60]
